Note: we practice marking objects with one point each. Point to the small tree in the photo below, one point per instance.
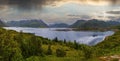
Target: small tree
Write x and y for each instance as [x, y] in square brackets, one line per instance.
[40, 49]
[60, 53]
[76, 45]
[88, 52]
[64, 41]
[55, 40]
[49, 51]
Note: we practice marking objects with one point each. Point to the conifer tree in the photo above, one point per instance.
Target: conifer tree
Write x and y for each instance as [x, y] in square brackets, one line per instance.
[49, 51]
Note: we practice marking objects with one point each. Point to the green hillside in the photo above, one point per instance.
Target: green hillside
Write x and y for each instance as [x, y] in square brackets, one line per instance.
[94, 24]
[21, 46]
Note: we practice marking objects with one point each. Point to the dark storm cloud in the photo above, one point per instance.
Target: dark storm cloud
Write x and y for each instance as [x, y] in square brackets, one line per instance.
[114, 12]
[29, 4]
[115, 1]
[42, 2]
[25, 4]
[22, 4]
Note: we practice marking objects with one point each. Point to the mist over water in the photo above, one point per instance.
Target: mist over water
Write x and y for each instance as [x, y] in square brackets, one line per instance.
[82, 37]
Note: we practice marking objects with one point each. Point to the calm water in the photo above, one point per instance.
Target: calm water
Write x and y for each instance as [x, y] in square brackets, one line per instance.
[83, 37]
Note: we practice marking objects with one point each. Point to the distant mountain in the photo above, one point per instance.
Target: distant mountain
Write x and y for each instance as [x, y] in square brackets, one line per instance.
[78, 24]
[59, 25]
[27, 23]
[2, 24]
[112, 23]
[94, 24]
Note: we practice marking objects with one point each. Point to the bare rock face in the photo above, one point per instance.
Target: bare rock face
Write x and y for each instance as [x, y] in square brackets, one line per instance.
[2, 24]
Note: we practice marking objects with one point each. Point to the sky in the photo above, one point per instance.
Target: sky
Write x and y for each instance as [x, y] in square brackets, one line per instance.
[57, 11]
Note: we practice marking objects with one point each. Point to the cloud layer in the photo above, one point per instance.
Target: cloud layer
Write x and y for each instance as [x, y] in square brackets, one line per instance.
[29, 4]
[59, 10]
[114, 12]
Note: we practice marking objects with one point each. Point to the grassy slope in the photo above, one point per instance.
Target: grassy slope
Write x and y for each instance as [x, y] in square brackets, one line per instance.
[16, 46]
[111, 45]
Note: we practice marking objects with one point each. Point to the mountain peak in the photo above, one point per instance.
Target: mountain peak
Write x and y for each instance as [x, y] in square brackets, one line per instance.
[28, 23]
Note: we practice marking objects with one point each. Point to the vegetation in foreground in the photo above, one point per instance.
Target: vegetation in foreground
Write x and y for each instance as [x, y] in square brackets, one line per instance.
[21, 46]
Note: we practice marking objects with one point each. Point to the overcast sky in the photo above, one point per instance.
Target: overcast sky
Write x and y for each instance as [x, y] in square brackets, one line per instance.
[55, 11]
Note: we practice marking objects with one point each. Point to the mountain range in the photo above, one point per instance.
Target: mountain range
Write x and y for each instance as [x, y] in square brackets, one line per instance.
[93, 24]
[59, 25]
[27, 23]
[2, 24]
[79, 24]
